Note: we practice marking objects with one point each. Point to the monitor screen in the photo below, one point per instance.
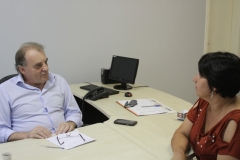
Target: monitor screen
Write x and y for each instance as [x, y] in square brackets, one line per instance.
[124, 70]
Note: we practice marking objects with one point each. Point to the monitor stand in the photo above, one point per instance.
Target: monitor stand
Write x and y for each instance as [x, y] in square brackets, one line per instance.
[123, 86]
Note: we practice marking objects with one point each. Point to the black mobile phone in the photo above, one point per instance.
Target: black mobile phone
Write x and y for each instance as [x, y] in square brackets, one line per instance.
[125, 122]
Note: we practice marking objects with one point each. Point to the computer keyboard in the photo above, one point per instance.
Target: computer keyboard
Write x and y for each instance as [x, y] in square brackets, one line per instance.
[92, 86]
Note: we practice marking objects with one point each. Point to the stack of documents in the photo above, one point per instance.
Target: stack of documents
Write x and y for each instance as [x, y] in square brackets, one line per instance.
[146, 107]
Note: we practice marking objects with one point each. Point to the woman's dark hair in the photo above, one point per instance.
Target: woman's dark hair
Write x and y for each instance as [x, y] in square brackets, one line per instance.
[222, 71]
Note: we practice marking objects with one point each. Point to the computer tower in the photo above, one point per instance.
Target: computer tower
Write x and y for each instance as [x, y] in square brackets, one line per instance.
[104, 77]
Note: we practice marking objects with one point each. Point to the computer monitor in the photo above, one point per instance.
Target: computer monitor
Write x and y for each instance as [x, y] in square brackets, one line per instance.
[123, 70]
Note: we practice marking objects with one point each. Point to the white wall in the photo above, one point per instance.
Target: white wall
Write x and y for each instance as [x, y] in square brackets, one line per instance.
[81, 36]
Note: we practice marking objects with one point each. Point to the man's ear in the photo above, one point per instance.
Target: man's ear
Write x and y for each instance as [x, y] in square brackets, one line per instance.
[21, 69]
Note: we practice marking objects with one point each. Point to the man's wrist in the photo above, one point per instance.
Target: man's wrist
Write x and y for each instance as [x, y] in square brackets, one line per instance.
[72, 123]
[27, 135]
[18, 136]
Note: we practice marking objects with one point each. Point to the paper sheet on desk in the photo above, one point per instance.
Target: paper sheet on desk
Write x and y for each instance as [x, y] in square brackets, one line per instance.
[70, 139]
[147, 107]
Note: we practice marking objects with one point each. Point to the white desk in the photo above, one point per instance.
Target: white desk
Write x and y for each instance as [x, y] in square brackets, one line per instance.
[152, 133]
[109, 107]
[108, 145]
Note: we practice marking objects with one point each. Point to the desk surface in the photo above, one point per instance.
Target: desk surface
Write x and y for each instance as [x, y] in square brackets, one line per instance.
[109, 107]
[153, 133]
[108, 145]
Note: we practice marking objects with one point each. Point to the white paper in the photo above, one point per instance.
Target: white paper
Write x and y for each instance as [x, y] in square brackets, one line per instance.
[148, 107]
[70, 139]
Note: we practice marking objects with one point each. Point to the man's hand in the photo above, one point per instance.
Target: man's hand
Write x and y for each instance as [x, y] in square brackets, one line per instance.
[66, 127]
[39, 132]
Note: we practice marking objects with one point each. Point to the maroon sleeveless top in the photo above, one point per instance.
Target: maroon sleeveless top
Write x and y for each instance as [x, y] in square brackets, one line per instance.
[207, 145]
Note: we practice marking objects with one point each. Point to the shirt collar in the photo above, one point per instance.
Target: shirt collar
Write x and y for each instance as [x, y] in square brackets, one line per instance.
[50, 81]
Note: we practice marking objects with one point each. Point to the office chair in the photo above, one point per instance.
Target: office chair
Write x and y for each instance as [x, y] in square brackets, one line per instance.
[7, 77]
[191, 157]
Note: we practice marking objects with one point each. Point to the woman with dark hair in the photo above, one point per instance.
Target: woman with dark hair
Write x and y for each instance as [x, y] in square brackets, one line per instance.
[212, 126]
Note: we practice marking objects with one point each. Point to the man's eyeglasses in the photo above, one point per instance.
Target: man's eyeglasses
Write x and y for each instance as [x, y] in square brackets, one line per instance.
[70, 135]
[132, 103]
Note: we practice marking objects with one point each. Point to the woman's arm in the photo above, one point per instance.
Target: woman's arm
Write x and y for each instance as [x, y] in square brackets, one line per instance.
[227, 136]
[180, 140]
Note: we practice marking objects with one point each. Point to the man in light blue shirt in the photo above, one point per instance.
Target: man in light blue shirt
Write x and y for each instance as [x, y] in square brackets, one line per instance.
[36, 103]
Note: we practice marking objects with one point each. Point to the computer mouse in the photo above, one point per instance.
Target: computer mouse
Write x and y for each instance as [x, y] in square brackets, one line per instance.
[128, 94]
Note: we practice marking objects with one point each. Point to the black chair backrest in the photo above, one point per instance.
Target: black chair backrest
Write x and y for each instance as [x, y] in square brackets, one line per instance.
[7, 77]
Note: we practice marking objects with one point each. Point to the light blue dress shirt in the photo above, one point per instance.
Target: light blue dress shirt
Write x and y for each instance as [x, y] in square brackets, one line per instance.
[24, 107]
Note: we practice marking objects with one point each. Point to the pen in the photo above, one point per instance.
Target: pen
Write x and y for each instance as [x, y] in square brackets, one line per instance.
[168, 109]
[53, 147]
[82, 137]
[156, 105]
